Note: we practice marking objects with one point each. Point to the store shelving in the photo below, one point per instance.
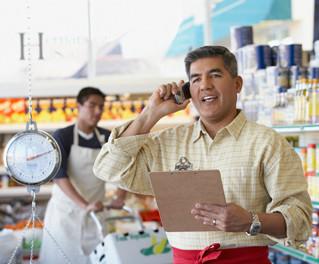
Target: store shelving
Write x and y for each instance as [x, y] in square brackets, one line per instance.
[21, 192]
[307, 134]
[297, 128]
[315, 204]
[165, 122]
[296, 253]
[13, 128]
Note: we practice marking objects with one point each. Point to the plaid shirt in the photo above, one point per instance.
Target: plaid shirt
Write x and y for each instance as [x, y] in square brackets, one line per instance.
[260, 172]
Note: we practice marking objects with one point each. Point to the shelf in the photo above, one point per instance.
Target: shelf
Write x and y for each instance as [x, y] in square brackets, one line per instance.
[14, 128]
[21, 192]
[49, 127]
[296, 253]
[315, 204]
[297, 128]
[3, 170]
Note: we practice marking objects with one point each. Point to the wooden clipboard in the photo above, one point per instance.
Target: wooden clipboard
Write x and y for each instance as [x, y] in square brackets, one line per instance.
[177, 192]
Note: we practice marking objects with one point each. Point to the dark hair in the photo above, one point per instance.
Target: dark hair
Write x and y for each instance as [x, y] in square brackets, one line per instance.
[85, 93]
[229, 58]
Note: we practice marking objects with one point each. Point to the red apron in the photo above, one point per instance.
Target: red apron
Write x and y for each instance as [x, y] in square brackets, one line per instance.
[212, 254]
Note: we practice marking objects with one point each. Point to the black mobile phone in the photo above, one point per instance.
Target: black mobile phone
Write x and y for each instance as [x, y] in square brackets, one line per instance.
[183, 94]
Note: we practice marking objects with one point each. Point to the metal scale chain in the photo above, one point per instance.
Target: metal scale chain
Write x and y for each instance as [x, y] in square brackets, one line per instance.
[29, 58]
[31, 125]
[31, 222]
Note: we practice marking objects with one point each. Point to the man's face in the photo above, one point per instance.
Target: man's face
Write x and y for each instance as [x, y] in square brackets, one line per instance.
[90, 112]
[213, 89]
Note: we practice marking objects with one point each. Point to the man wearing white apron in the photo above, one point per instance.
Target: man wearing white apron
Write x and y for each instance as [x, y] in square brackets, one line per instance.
[76, 190]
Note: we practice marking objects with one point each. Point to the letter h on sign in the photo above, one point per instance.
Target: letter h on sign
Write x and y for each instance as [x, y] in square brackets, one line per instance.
[22, 57]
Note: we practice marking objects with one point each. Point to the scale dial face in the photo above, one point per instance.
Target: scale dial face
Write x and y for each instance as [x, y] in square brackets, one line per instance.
[32, 157]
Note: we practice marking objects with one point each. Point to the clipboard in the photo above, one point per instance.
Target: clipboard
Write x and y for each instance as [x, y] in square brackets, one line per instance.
[177, 192]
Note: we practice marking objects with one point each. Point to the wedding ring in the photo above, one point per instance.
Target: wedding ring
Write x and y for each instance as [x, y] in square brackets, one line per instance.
[214, 221]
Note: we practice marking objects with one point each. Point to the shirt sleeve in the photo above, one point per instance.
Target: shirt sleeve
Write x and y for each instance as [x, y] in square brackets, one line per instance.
[126, 161]
[65, 151]
[287, 187]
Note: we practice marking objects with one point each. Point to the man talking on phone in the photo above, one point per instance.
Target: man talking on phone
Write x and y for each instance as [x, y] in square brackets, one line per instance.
[264, 185]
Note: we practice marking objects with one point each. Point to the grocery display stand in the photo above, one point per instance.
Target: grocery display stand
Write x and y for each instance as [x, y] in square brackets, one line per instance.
[296, 253]
[306, 132]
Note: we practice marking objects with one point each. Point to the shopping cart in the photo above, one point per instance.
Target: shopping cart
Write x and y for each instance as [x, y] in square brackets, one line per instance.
[143, 246]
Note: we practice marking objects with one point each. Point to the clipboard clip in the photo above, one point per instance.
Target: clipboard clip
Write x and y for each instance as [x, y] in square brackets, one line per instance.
[183, 164]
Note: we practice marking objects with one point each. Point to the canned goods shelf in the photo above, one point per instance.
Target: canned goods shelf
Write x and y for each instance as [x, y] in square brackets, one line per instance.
[296, 253]
[297, 128]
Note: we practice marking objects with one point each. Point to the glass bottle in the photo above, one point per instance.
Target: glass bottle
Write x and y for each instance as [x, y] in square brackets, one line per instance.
[308, 115]
[297, 102]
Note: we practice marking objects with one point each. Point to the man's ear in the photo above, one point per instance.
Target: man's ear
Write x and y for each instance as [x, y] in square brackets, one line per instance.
[238, 83]
[78, 106]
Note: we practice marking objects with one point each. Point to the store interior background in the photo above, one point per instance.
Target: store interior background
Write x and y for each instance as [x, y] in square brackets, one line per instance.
[127, 48]
[121, 50]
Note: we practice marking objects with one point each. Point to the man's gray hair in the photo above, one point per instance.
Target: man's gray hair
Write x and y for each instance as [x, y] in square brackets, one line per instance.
[228, 57]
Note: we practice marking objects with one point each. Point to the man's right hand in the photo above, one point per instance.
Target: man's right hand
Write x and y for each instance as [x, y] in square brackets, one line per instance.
[161, 102]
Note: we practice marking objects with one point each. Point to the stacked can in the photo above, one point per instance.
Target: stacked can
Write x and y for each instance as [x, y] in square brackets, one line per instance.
[263, 56]
[290, 55]
[241, 36]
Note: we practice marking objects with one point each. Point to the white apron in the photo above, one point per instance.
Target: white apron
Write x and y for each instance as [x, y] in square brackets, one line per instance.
[69, 224]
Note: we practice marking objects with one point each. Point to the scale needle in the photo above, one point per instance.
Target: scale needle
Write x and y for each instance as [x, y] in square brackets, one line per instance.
[38, 155]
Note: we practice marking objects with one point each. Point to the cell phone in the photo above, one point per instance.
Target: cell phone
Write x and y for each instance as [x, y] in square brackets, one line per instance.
[183, 94]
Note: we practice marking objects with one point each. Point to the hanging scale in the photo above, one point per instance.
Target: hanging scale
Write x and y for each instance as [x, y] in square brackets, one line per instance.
[31, 157]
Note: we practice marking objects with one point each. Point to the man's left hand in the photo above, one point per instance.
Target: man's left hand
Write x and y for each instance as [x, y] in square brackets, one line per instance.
[229, 218]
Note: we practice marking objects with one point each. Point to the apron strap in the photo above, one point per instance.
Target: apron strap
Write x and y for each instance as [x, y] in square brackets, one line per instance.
[75, 135]
[100, 138]
[209, 253]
